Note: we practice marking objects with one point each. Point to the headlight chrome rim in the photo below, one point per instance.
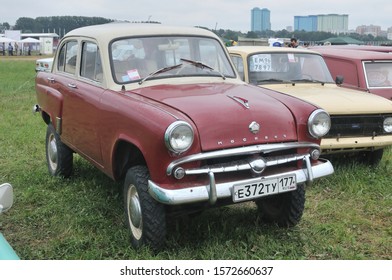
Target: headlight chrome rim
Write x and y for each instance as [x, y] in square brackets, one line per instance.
[387, 125]
[319, 123]
[179, 137]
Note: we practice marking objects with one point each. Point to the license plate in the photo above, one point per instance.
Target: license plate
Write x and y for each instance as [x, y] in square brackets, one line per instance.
[264, 187]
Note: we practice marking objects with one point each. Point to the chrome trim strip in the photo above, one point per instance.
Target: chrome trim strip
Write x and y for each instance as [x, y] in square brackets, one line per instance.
[240, 100]
[249, 150]
[58, 125]
[224, 190]
[213, 197]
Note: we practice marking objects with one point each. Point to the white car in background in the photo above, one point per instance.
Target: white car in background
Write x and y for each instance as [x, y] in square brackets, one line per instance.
[44, 64]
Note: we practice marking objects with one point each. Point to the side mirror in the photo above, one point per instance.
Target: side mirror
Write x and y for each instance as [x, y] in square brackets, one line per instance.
[6, 197]
[339, 79]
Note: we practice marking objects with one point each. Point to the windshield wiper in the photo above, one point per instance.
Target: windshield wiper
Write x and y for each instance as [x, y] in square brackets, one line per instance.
[159, 71]
[308, 81]
[202, 65]
[272, 80]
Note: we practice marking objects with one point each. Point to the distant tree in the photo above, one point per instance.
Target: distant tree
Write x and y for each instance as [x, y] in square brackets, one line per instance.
[252, 34]
[56, 23]
[231, 35]
[24, 24]
[4, 26]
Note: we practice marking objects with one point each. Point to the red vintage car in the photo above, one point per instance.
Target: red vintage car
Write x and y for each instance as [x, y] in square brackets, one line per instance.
[162, 109]
[361, 69]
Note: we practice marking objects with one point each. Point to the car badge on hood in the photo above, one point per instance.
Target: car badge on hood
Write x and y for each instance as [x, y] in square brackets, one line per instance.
[240, 100]
[254, 127]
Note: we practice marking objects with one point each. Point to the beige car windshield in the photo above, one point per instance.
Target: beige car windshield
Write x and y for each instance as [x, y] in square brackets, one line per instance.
[270, 67]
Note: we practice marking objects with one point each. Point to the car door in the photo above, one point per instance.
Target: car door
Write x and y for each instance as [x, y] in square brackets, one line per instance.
[83, 88]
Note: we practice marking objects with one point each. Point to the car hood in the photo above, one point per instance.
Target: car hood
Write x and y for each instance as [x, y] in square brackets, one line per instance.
[336, 100]
[221, 117]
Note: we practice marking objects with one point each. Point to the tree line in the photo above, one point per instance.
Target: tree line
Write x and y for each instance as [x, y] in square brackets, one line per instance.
[303, 36]
[56, 23]
[64, 24]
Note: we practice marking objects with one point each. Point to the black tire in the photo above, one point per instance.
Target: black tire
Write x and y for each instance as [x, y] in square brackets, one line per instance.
[146, 218]
[372, 158]
[284, 209]
[59, 157]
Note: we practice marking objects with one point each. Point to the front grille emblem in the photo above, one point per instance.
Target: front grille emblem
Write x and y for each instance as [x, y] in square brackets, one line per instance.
[254, 127]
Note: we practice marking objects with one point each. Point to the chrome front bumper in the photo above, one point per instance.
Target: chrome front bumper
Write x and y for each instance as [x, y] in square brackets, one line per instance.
[214, 191]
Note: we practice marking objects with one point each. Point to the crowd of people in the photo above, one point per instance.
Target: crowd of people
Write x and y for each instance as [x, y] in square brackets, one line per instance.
[12, 49]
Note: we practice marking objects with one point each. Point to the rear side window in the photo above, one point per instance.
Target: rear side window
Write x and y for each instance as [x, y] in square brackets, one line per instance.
[91, 67]
[239, 64]
[67, 57]
[378, 73]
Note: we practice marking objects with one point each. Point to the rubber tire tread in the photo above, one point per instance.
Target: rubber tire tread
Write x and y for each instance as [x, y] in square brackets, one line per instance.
[372, 158]
[153, 212]
[285, 209]
[64, 155]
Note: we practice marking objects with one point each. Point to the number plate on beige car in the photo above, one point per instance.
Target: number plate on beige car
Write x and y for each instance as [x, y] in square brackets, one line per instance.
[264, 187]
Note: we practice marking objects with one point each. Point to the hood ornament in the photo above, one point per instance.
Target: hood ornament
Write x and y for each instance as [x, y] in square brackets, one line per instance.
[254, 127]
[240, 100]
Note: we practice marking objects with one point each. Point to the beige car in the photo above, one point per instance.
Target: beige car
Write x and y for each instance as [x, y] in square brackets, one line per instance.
[361, 122]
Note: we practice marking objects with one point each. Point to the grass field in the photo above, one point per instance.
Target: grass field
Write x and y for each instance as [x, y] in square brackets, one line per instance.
[347, 215]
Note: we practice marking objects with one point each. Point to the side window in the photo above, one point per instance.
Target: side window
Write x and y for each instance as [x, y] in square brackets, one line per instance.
[91, 67]
[67, 57]
[239, 65]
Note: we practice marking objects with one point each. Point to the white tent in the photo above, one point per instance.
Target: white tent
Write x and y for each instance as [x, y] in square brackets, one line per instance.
[6, 40]
[29, 40]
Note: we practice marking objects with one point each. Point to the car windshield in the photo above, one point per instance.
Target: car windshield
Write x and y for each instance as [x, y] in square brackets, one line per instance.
[378, 74]
[141, 59]
[287, 67]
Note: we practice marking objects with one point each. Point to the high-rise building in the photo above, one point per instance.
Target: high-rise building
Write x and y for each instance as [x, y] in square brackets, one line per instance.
[260, 19]
[373, 30]
[328, 23]
[305, 23]
[332, 23]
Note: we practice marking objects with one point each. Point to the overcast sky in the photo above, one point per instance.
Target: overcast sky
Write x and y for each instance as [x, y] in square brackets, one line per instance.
[222, 14]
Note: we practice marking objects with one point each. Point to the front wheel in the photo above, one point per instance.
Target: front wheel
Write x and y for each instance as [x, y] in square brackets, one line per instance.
[372, 158]
[146, 217]
[59, 156]
[284, 209]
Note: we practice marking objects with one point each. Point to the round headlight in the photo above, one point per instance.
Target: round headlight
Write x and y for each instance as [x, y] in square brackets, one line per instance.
[319, 123]
[388, 125]
[179, 137]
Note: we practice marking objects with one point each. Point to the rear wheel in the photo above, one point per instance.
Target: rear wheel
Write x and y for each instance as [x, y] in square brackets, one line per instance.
[146, 217]
[284, 209]
[59, 156]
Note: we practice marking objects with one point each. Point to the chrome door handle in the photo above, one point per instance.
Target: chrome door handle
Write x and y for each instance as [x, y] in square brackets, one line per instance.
[72, 86]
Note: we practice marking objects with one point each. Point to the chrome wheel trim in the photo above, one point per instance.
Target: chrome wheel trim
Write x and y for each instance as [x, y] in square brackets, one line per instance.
[52, 152]
[134, 212]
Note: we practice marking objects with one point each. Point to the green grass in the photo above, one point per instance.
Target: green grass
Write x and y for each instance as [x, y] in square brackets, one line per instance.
[347, 215]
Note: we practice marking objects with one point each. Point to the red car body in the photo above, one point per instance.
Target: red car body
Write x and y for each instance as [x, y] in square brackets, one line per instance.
[361, 69]
[126, 123]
